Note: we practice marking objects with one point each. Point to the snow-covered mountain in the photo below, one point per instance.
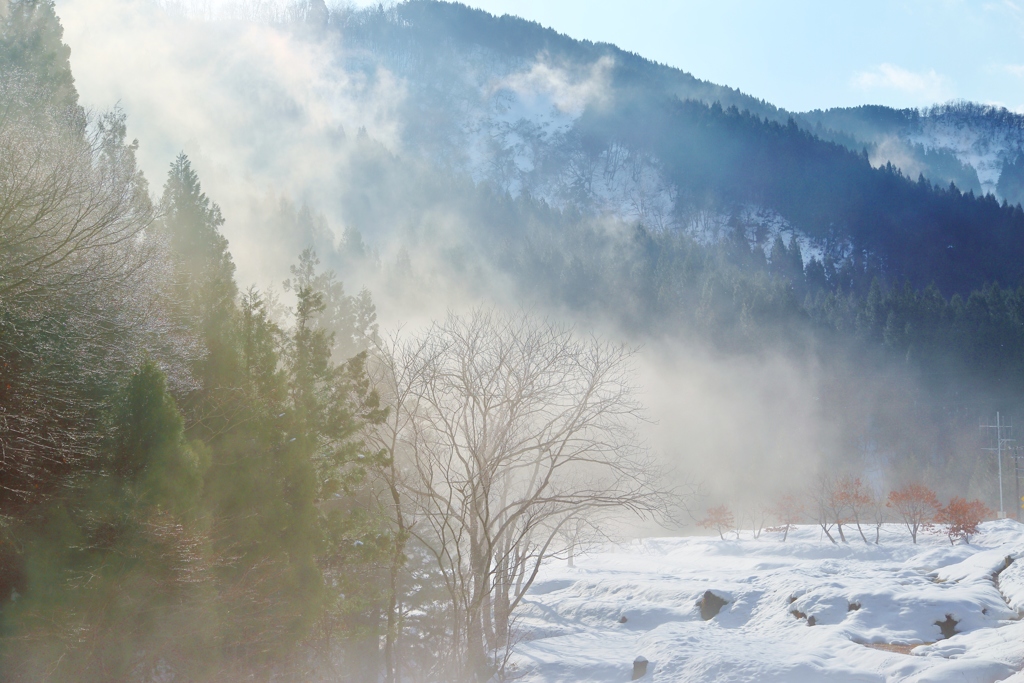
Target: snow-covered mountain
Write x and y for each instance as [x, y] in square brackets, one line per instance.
[594, 128]
[514, 90]
[506, 113]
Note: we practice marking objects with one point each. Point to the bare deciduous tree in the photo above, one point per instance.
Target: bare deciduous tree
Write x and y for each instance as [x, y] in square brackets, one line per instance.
[757, 513]
[855, 500]
[879, 514]
[916, 505]
[396, 371]
[788, 510]
[80, 292]
[509, 429]
[829, 507]
[72, 206]
[719, 518]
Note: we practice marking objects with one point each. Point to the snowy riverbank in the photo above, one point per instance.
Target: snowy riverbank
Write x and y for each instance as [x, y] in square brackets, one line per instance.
[854, 595]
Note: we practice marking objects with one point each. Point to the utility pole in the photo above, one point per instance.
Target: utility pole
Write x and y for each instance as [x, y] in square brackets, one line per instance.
[1001, 444]
[1018, 452]
[1016, 479]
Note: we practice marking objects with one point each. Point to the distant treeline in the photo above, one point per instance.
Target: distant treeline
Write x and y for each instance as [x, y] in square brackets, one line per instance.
[909, 229]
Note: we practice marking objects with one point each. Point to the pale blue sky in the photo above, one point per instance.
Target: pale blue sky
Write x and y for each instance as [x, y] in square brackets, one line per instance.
[806, 54]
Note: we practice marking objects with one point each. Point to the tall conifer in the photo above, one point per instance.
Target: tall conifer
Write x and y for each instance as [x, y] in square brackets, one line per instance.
[32, 48]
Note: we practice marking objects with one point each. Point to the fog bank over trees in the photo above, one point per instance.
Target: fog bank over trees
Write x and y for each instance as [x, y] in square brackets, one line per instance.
[307, 381]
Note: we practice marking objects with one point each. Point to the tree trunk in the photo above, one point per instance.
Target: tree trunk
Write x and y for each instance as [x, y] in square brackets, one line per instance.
[520, 568]
[479, 564]
[457, 665]
[487, 607]
[398, 644]
[861, 532]
[391, 666]
[394, 619]
[476, 654]
[502, 582]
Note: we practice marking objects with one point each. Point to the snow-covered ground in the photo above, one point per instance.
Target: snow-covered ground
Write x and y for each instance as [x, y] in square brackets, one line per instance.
[590, 622]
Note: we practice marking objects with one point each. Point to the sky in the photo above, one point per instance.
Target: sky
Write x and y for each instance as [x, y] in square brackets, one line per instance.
[811, 54]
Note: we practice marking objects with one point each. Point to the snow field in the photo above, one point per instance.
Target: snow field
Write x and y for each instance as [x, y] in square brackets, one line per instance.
[854, 594]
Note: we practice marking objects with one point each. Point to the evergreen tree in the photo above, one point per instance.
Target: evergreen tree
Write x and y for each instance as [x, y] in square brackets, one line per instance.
[796, 260]
[260, 340]
[349, 321]
[149, 451]
[117, 574]
[193, 224]
[780, 259]
[32, 49]
[331, 404]
[205, 276]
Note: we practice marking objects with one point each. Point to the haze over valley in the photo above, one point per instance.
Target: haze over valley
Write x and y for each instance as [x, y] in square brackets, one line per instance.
[389, 343]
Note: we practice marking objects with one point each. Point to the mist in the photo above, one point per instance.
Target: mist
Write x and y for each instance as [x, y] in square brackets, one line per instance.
[374, 238]
[280, 113]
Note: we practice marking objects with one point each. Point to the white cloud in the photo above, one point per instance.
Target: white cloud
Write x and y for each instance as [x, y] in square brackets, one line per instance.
[929, 84]
[1014, 70]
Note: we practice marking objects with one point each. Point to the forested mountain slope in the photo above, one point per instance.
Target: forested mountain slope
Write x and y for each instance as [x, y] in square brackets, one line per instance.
[590, 126]
[976, 146]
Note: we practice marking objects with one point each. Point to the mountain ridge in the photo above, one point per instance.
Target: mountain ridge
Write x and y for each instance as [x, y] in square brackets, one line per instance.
[526, 39]
[588, 125]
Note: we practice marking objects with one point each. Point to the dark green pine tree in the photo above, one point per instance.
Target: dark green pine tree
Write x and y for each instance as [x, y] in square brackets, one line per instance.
[205, 273]
[260, 340]
[817, 279]
[261, 485]
[350, 321]
[796, 260]
[779, 257]
[193, 224]
[32, 50]
[119, 575]
[150, 454]
[330, 404]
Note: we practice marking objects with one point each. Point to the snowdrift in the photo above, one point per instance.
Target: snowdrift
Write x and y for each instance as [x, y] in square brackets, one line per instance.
[800, 610]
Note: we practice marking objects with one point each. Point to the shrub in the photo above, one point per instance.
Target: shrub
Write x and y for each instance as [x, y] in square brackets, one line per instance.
[962, 518]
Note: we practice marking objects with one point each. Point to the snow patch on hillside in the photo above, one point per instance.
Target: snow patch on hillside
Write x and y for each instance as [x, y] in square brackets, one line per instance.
[760, 226]
[516, 123]
[982, 150]
[983, 137]
[800, 610]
